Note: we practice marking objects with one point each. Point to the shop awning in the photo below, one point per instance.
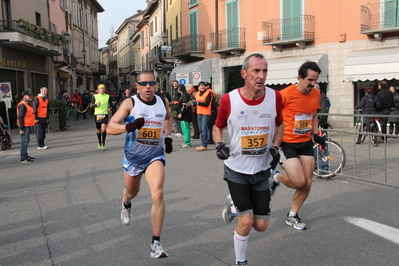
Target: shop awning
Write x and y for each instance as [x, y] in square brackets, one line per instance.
[372, 64]
[204, 67]
[285, 70]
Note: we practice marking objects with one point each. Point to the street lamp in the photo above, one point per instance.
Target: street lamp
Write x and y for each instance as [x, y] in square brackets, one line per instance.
[83, 55]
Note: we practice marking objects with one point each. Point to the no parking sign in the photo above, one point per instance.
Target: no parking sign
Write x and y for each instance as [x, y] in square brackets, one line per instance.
[196, 78]
[5, 90]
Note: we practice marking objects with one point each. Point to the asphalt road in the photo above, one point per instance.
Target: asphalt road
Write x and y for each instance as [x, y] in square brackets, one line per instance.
[64, 209]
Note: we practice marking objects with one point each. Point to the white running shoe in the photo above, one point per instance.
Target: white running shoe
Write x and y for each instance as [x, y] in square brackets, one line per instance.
[126, 214]
[229, 211]
[157, 250]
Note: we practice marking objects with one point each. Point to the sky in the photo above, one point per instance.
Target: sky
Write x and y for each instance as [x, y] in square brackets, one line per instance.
[116, 11]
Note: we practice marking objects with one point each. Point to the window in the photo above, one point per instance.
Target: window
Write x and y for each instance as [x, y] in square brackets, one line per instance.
[292, 22]
[75, 14]
[152, 28]
[156, 23]
[193, 3]
[64, 5]
[38, 19]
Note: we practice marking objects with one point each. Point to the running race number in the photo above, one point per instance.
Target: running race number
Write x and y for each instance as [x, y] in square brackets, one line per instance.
[149, 136]
[254, 144]
[303, 123]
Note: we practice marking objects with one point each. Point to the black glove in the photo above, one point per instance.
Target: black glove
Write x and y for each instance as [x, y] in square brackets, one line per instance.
[168, 144]
[320, 140]
[136, 124]
[276, 157]
[222, 151]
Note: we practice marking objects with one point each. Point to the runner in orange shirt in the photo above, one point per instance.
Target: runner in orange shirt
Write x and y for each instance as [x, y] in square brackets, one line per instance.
[300, 104]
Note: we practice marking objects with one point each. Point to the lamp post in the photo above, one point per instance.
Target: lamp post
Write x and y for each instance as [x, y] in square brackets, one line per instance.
[82, 57]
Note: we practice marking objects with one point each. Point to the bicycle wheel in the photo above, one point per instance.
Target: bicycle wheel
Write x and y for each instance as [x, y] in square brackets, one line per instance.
[360, 128]
[330, 161]
[374, 139]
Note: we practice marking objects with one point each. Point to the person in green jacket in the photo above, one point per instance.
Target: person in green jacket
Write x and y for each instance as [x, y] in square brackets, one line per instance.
[101, 102]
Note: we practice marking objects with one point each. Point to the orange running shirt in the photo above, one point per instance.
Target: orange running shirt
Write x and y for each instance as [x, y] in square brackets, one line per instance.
[298, 113]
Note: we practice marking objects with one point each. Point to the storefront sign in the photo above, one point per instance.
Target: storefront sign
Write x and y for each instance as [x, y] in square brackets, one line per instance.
[12, 63]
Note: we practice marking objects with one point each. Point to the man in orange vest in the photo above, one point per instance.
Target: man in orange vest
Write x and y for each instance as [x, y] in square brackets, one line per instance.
[41, 110]
[26, 119]
[203, 100]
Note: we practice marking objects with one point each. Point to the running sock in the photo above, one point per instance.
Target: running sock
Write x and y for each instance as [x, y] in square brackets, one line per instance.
[292, 214]
[240, 246]
[127, 206]
[104, 135]
[99, 137]
[158, 238]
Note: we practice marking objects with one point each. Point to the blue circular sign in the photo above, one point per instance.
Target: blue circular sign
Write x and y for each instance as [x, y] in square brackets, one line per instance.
[182, 81]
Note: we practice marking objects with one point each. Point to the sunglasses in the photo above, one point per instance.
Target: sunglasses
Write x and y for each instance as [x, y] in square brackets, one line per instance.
[145, 83]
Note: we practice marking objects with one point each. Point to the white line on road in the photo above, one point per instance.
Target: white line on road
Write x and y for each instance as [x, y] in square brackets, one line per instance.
[382, 230]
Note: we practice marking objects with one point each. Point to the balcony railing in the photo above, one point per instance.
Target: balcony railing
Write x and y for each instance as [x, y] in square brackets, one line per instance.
[289, 30]
[193, 43]
[379, 17]
[37, 32]
[98, 68]
[229, 39]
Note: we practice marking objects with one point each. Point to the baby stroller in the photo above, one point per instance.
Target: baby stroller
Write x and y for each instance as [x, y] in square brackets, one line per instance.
[5, 138]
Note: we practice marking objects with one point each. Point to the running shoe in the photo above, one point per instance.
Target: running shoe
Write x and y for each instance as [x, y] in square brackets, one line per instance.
[126, 214]
[272, 183]
[295, 222]
[31, 158]
[44, 148]
[103, 146]
[227, 213]
[240, 262]
[157, 250]
[99, 146]
[26, 161]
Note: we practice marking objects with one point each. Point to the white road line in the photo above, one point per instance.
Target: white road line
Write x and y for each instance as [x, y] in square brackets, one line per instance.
[387, 232]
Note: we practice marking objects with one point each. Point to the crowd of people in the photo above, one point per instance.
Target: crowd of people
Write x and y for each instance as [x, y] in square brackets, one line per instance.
[264, 127]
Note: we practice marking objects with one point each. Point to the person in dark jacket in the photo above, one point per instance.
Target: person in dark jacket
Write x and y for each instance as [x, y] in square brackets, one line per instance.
[394, 120]
[184, 115]
[386, 98]
[368, 103]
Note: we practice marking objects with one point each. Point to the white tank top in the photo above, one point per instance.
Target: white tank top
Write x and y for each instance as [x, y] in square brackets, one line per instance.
[147, 143]
[251, 131]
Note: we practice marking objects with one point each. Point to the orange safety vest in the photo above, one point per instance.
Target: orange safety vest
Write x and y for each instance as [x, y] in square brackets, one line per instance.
[42, 107]
[203, 110]
[29, 118]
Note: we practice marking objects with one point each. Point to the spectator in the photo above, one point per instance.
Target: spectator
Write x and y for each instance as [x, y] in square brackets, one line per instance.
[26, 119]
[192, 90]
[77, 104]
[387, 101]
[41, 109]
[184, 115]
[394, 120]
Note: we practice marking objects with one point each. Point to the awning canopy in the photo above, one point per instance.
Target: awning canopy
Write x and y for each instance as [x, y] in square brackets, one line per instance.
[372, 64]
[285, 70]
[203, 67]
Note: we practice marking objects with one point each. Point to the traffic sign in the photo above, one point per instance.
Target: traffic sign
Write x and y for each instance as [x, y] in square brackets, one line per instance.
[182, 78]
[196, 78]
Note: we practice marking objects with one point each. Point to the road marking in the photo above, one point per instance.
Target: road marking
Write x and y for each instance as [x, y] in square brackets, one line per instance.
[382, 230]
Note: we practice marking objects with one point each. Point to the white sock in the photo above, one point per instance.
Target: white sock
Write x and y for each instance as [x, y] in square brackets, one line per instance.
[292, 214]
[240, 246]
[275, 178]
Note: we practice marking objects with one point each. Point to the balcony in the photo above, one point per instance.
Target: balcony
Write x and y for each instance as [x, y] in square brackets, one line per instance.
[379, 18]
[189, 46]
[28, 37]
[292, 30]
[98, 68]
[228, 42]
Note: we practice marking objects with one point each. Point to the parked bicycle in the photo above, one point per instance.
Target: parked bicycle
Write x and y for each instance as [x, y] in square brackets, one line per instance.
[372, 125]
[330, 160]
